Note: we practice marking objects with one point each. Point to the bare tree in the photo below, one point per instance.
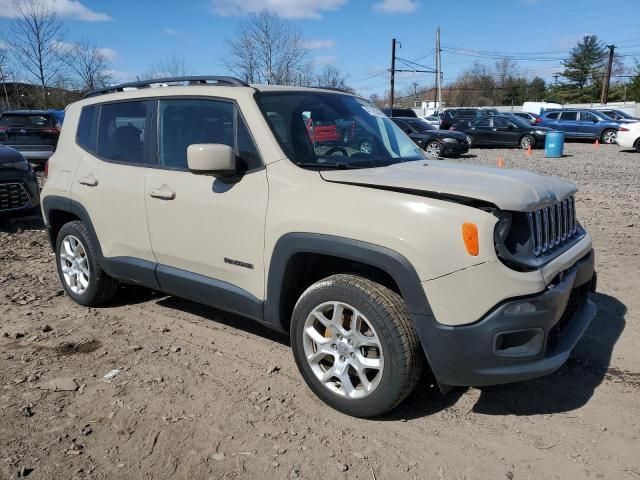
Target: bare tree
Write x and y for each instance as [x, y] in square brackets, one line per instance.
[90, 64]
[267, 49]
[173, 66]
[332, 77]
[36, 40]
[3, 77]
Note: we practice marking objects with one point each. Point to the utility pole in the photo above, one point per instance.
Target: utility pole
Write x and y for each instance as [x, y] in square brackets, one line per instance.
[555, 77]
[607, 79]
[393, 70]
[438, 70]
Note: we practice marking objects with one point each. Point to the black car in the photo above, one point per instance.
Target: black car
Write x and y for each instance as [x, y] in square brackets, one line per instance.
[19, 191]
[399, 112]
[503, 131]
[34, 133]
[438, 143]
[453, 116]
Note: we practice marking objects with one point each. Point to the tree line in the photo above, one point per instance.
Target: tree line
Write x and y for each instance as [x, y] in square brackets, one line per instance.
[580, 81]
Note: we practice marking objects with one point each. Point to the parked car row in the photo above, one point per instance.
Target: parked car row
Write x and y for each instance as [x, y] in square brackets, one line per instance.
[34, 133]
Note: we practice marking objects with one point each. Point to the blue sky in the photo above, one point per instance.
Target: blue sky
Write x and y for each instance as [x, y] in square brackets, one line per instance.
[354, 35]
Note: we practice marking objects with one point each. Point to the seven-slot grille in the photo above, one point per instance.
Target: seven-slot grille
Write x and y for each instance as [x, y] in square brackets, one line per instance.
[553, 225]
[12, 196]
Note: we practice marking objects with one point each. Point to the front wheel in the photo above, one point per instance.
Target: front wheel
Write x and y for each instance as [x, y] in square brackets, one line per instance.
[355, 345]
[80, 273]
[434, 149]
[527, 141]
[609, 136]
[637, 146]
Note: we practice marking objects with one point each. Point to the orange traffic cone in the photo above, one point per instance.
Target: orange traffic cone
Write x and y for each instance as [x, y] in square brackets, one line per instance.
[500, 162]
[528, 153]
[596, 144]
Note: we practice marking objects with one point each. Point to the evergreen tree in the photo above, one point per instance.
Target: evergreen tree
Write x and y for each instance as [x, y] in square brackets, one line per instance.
[586, 63]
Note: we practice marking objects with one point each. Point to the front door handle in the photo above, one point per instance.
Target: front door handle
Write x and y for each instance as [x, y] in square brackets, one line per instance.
[163, 192]
[88, 180]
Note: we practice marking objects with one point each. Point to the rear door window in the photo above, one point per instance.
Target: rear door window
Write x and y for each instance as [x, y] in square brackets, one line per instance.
[123, 135]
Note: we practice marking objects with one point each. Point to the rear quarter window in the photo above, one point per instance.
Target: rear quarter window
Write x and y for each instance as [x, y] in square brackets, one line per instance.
[87, 135]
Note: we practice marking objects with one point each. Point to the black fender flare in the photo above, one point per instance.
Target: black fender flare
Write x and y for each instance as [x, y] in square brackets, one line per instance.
[385, 259]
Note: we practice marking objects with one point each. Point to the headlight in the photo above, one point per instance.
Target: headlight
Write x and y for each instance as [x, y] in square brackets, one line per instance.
[21, 165]
[541, 132]
[450, 140]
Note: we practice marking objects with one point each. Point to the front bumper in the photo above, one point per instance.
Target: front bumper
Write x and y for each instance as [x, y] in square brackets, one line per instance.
[454, 149]
[19, 191]
[507, 346]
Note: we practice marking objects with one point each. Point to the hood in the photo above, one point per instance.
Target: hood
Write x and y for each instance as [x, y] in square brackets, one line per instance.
[507, 189]
[9, 155]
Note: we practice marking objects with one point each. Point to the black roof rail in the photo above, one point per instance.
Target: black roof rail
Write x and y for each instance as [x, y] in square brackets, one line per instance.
[191, 80]
[333, 89]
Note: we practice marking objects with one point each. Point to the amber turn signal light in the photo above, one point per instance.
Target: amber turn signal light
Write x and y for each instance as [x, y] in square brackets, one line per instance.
[470, 237]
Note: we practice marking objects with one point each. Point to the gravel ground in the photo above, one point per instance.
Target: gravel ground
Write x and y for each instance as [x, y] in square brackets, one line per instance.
[204, 394]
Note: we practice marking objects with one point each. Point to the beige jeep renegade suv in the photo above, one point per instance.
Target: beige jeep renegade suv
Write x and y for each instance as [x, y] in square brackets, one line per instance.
[309, 211]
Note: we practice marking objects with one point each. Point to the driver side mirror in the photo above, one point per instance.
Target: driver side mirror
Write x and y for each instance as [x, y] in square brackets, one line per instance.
[510, 126]
[212, 158]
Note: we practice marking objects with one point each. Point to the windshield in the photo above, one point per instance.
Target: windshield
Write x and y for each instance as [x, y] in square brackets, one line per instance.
[418, 125]
[30, 121]
[623, 114]
[329, 130]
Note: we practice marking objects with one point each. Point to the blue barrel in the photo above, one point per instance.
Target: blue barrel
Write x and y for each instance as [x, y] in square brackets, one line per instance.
[554, 145]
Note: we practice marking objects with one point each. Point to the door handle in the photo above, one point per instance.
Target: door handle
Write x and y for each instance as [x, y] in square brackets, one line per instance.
[88, 180]
[163, 192]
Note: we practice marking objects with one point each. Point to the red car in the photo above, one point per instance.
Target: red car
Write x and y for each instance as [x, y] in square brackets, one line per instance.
[321, 132]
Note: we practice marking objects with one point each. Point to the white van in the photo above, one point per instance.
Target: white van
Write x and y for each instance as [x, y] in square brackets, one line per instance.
[539, 107]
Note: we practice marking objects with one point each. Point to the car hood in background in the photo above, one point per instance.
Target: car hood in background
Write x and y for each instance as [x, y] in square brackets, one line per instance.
[9, 155]
[508, 189]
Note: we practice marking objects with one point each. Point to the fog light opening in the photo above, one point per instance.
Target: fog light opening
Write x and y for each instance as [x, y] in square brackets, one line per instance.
[520, 343]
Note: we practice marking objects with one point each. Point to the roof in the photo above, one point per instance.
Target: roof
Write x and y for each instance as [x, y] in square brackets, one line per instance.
[28, 112]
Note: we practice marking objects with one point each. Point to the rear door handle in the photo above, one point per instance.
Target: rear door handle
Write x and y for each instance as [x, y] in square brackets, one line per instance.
[163, 192]
[88, 180]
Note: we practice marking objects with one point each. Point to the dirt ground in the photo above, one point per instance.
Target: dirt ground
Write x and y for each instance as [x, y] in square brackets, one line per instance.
[204, 394]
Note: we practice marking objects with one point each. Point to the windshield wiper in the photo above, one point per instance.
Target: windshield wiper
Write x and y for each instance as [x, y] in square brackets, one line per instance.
[327, 165]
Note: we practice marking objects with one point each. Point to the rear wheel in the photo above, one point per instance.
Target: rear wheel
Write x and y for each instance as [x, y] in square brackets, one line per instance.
[355, 346]
[80, 273]
[609, 136]
[637, 145]
[434, 149]
[527, 141]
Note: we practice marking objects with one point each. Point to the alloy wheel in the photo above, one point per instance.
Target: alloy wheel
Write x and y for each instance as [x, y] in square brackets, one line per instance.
[74, 264]
[343, 350]
[434, 149]
[366, 147]
[610, 136]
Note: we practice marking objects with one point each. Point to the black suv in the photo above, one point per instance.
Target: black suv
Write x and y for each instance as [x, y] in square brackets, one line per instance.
[34, 133]
[454, 116]
[19, 190]
[399, 112]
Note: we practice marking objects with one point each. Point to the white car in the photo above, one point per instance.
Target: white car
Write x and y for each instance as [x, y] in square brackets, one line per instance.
[629, 136]
[431, 120]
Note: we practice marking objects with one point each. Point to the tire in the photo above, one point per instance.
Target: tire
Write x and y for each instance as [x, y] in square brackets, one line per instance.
[434, 149]
[608, 136]
[84, 281]
[637, 145]
[382, 319]
[527, 141]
